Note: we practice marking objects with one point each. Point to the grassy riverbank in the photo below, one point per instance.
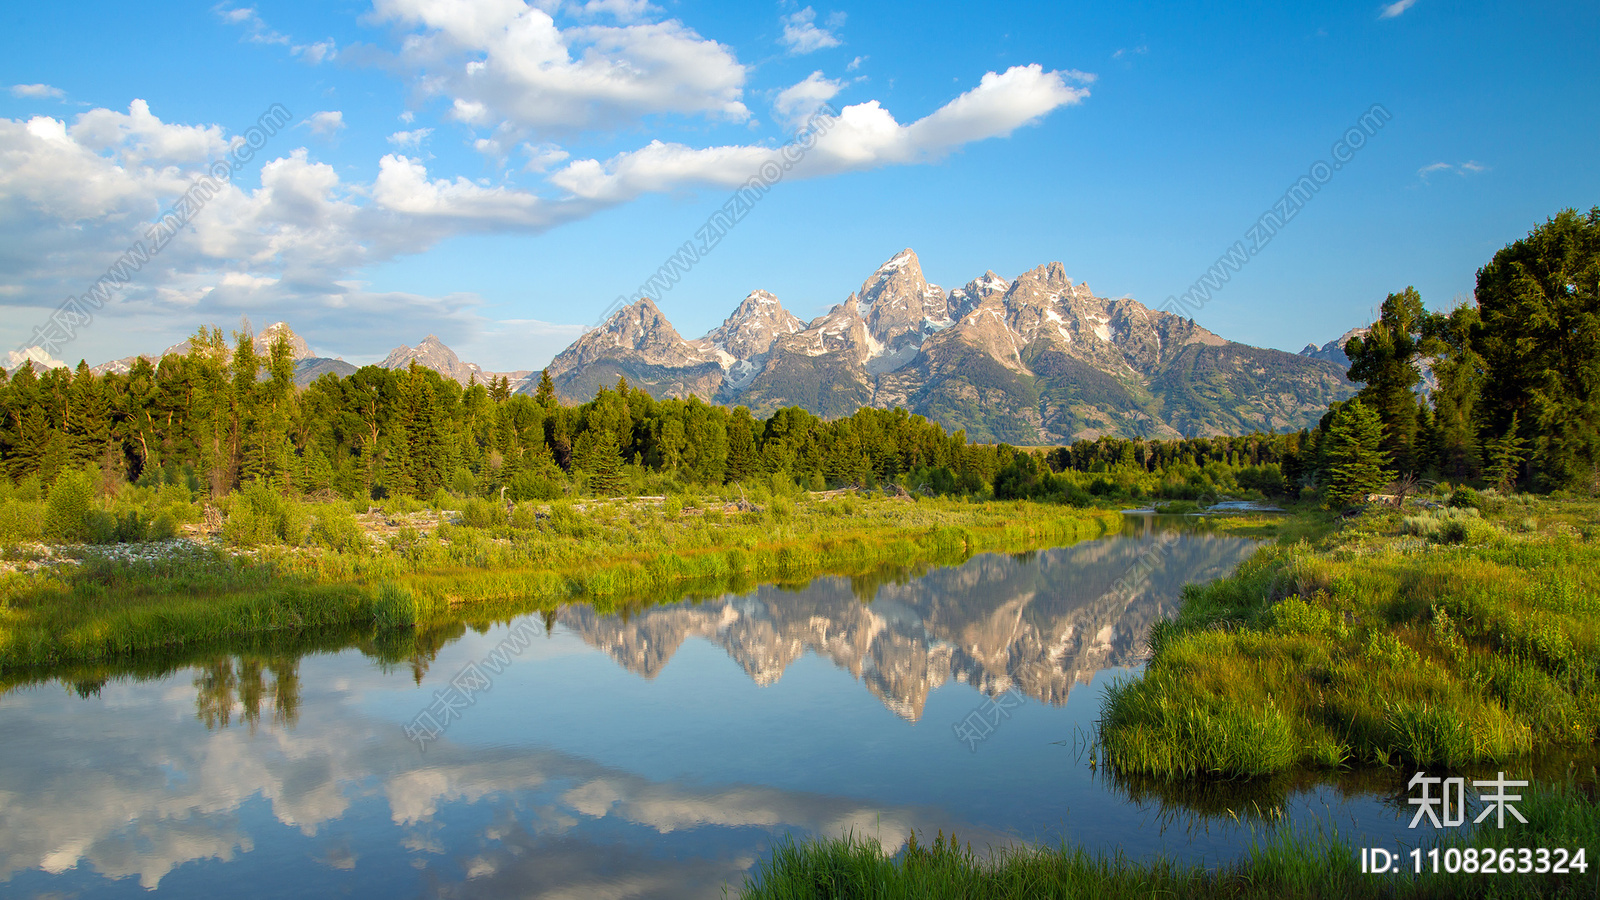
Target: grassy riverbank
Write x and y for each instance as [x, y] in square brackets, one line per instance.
[1436, 636]
[1280, 864]
[309, 567]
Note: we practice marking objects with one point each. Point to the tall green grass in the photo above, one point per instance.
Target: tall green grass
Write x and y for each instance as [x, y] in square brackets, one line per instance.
[1368, 646]
[1281, 861]
[309, 566]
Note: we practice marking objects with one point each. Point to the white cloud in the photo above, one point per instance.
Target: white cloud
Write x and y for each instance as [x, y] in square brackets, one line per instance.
[410, 140]
[502, 60]
[795, 104]
[621, 10]
[1396, 8]
[256, 29]
[325, 123]
[75, 198]
[801, 34]
[862, 136]
[855, 64]
[317, 53]
[1470, 167]
[542, 156]
[37, 91]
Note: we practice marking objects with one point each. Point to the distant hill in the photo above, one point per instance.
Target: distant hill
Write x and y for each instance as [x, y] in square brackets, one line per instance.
[1032, 360]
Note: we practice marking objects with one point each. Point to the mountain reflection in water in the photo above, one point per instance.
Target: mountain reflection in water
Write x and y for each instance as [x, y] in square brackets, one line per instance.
[612, 757]
[1041, 622]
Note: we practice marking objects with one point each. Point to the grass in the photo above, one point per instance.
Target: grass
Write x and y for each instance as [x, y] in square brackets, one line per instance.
[435, 568]
[1440, 638]
[1280, 862]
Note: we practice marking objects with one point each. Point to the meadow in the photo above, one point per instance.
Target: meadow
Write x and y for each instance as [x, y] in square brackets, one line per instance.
[1463, 630]
[279, 565]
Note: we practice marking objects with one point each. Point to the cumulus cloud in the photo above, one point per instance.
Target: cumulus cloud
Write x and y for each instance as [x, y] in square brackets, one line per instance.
[862, 136]
[36, 91]
[795, 104]
[1470, 167]
[74, 198]
[503, 60]
[1396, 8]
[326, 123]
[621, 10]
[255, 28]
[317, 53]
[542, 156]
[801, 34]
[410, 140]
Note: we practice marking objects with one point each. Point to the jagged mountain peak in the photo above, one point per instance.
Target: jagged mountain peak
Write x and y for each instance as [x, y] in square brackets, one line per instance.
[751, 330]
[1035, 359]
[431, 353]
[1050, 278]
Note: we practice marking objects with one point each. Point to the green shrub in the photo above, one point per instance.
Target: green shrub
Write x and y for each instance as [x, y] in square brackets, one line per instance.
[164, 527]
[100, 527]
[261, 515]
[478, 513]
[336, 529]
[66, 516]
[131, 527]
[21, 520]
[1467, 498]
[526, 486]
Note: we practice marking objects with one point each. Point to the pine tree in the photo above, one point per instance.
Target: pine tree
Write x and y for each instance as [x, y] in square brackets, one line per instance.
[742, 458]
[1459, 371]
[1539, 302]
[545, 395]
[1386, 361]
[596, 455]
[1506, 454]
[1355, 456]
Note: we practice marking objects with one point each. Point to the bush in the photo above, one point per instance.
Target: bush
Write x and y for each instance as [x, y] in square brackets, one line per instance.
[261, 515]
[66, 515]
[164, 527]
[100, 527]
[20, 520]
[526, 486]
[131, 527]
[1466, 498]
[336, 529]
[476, 513]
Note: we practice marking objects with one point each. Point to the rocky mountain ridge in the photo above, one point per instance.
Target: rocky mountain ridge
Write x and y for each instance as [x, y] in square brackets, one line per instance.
[1040, 624]
[1033, 360]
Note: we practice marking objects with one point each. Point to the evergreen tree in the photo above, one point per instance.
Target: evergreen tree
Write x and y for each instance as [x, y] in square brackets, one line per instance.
[1355, 454]
[596, 455]
[742, 458]
[1459, 371]
[545, 394]
[1386, 361]
[1539, 305]
[1506, 454]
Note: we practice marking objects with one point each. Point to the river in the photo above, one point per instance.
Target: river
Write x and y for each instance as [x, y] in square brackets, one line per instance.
[656, 753]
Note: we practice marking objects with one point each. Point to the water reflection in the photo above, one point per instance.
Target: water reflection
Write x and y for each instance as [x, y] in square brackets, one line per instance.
[615, 758]
[1042, 622]
[221, 691]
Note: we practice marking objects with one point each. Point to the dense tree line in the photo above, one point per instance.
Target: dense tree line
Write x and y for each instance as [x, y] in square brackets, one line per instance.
[1517, 400]
[220, 418]
[1515, 403]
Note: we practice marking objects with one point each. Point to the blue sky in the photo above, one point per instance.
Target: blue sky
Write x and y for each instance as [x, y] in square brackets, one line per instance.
[488, 170]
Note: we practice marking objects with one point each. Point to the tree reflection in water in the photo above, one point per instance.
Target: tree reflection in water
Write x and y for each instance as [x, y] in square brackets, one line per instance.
[226, 687]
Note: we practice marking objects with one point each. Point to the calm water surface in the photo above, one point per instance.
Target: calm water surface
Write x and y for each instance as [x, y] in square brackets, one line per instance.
[659, 753]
